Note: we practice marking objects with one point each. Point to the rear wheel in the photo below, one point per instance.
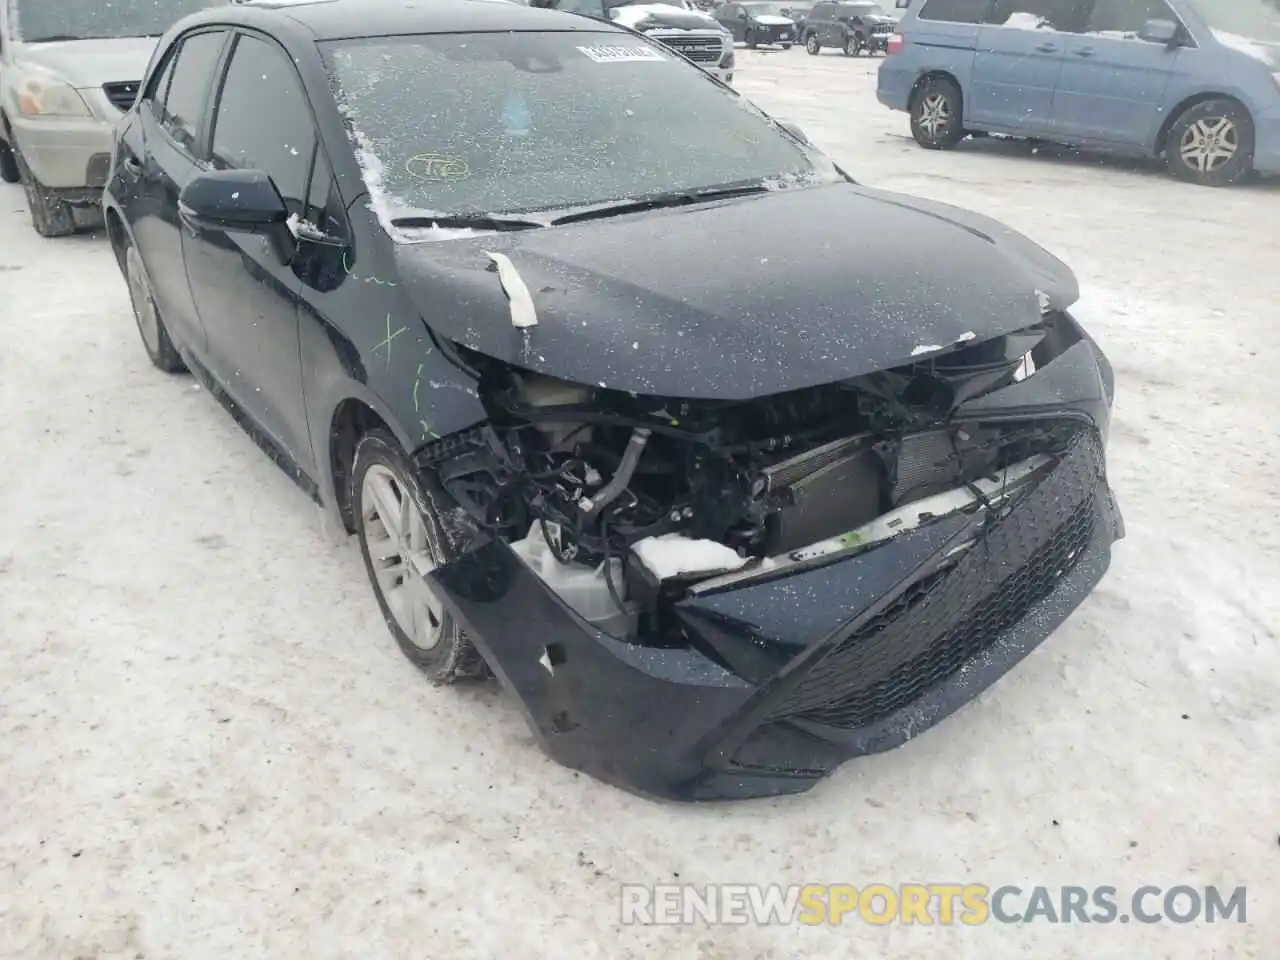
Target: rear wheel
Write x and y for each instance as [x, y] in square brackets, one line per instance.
[155, 336]
[1211, 144]
[50, 215]
[402, 539]
[812, 45]
[936, 121]
[852, 45]
[8, 165]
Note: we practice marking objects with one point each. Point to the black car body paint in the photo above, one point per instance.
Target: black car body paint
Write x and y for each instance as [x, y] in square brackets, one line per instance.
[777, 675]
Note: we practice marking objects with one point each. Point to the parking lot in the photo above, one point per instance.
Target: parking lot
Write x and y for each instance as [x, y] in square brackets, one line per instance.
[211, 747]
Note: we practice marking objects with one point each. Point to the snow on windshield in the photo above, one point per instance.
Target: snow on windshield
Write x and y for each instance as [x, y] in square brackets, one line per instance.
[455, 125]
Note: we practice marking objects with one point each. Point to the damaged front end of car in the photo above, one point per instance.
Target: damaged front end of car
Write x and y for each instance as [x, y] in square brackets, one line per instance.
[704, 599]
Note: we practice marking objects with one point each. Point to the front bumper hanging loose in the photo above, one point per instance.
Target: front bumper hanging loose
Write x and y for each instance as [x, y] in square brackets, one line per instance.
[788, 677]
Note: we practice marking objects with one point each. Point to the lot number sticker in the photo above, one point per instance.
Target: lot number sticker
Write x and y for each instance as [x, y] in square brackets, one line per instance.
[610, 54]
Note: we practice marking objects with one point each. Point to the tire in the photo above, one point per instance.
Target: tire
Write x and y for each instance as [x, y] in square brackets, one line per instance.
[785, 46]
[750, 40]
[8, 165]
[812, 45]
[382, 478]
[50, 216]
[151, 326]
[852, 46]
[937, 121]
[1211, 143]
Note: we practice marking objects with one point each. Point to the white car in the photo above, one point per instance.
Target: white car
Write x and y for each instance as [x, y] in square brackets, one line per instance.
[68, 70]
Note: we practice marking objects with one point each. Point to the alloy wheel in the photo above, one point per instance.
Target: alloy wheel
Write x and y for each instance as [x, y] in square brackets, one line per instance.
[401, 553]
[1209, 144]
[935, 115]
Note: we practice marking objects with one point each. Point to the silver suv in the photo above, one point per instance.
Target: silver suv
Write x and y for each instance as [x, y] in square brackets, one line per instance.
[68, 69]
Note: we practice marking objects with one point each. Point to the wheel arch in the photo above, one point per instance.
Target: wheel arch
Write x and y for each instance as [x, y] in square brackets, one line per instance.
[1195, 99]
[351, 419]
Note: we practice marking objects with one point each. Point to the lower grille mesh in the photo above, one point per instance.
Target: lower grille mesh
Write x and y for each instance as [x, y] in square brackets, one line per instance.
[944, 621]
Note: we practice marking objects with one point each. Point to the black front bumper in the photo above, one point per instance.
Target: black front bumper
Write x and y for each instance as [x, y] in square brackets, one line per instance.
[789, 677]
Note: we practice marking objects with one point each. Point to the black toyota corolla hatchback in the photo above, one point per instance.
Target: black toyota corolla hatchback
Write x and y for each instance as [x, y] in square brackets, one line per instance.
[567, 334]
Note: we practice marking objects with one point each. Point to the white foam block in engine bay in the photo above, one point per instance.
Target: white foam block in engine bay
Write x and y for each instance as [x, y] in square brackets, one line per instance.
[675, 555]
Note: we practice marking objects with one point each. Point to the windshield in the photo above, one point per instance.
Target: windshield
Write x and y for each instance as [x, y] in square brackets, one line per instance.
[861, 9]
[460, 124]
[1257, 20]
[38, 21]
[766, 9]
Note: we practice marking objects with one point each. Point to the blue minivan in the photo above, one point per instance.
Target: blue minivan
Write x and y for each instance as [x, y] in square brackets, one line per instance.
[1194, 82]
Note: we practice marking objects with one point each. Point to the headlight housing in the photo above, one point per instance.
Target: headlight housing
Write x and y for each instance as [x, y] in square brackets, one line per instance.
[44, 95]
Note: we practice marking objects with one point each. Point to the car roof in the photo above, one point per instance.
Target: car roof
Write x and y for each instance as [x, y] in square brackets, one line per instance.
[342, 19]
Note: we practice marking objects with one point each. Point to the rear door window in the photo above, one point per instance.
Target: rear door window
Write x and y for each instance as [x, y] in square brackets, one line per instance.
[954, 11]
[159, 86]
[183, 113]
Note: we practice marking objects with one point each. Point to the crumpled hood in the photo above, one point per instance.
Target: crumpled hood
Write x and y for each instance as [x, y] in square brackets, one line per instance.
[91, 63]
[742, 298]
[769, 20]
[649, 16]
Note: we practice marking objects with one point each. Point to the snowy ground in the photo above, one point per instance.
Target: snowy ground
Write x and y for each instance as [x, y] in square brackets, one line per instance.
[210, 747]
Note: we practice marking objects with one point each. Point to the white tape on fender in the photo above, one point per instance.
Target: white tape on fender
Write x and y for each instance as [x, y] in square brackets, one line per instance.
[623, 54]
[523, 314]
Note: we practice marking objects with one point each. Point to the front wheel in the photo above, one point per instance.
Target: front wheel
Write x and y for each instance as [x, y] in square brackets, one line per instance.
[1211, 144]
[812, 45]
[786, 46]
[936, 121]
[852, 46]
[50, 215]
[750, 40]
[402, 540]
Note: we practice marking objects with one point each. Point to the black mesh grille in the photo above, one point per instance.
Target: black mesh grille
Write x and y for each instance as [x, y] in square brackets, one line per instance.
[121, 94]
[697, 49]
[947, 619]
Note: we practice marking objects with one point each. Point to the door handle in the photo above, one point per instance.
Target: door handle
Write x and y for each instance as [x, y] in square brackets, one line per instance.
[1047, 48]
[1085, 52]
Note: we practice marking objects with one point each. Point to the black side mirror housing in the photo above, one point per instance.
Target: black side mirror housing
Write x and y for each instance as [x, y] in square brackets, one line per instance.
[1164, 32]
[233, 201]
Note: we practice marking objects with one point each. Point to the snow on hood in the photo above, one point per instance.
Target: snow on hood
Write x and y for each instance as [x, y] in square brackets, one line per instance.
[637, 15]
[1268, 53]
[87, 64]
[618, 306]
[770, 20]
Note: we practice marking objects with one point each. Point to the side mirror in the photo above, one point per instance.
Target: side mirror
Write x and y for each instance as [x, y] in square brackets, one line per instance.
[1159, 31]
[743, 15]
[233, 201]
[902, 4]
[795, 131]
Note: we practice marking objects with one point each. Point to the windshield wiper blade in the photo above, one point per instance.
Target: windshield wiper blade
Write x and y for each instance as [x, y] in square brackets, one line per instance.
[677, 198]
[468, 221]
[56, 38]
